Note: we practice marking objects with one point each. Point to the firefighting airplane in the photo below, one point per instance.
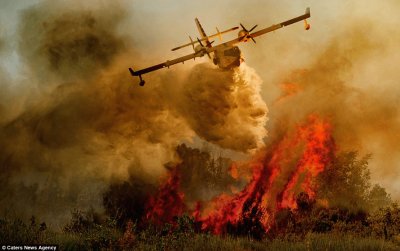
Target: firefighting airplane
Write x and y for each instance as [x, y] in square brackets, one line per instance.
[225, 55]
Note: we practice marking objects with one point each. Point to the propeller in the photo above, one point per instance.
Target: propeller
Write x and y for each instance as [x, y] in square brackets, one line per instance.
[198, 40]
[204, 48]
[191, 41]
[248, 32]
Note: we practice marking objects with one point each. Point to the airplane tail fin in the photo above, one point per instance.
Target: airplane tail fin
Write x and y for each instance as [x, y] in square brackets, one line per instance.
[202, 33]
[200, 28]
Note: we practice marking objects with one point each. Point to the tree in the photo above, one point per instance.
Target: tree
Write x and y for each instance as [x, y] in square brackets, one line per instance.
[346, 182]
[378, 197]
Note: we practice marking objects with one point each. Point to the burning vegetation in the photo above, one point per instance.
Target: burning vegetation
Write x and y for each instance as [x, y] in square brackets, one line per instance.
[299, 184]
[278, 176]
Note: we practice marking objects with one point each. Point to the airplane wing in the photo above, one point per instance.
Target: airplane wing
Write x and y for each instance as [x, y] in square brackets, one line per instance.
[209, 49]
[218, 34]
[261, 32]
[283, 24]
[168, 63]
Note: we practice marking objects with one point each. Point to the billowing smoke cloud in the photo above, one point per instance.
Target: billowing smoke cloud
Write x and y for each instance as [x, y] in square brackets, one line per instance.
[80, 123]
[331, 86]
[85, 124]
[224, 107]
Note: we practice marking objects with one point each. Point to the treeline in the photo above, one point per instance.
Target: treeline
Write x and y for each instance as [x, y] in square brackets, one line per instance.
[347, 205]
[346, 184]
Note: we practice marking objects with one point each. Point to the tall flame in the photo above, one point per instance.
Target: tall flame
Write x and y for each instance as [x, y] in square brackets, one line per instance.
[318, 153]
[256, 204]
[168, 202]
[279, 175]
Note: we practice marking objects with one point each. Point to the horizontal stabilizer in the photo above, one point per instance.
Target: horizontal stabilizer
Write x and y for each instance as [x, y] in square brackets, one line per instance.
[218, 34]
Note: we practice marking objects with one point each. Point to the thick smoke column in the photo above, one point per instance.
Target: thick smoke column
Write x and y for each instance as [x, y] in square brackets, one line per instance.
[77, 123]
[225, 107]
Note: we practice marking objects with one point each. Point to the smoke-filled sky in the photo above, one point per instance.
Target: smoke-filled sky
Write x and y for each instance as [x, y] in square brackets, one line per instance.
[72, 118]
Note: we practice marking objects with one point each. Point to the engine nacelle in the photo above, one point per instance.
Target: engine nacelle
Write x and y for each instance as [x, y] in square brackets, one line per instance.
[243, 35]
[200, 50]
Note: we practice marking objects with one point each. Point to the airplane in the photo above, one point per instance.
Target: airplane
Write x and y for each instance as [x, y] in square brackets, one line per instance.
[226, 55]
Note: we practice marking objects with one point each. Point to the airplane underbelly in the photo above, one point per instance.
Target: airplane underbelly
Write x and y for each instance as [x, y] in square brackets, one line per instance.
[229, 62]
[228, 58]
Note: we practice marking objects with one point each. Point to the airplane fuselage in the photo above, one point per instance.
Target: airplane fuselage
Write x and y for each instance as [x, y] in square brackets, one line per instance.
[226, 55]
[228, 58]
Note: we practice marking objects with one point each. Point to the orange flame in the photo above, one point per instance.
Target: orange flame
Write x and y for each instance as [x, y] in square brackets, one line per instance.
[256, 204]
[319, 150]
[168, 202]
[279, 175]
